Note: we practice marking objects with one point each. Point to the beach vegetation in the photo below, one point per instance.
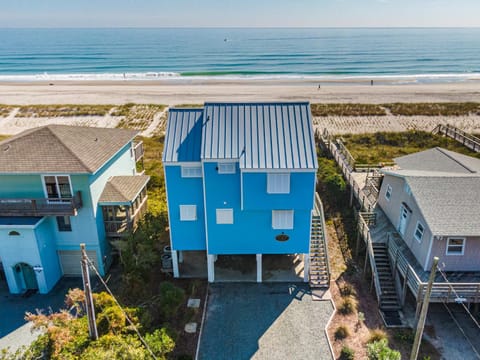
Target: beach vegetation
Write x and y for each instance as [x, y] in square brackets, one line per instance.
[347, 109]
[137, 116]
[63, 110]
[342, 332]
[435, 109]
[187, 106]
[379, 350]
[347, 353]
[5, 110]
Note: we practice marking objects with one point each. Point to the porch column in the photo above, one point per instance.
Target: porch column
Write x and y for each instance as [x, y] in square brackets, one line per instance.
[306, 267]
[211, 267]
[259, 268]
[176, 273]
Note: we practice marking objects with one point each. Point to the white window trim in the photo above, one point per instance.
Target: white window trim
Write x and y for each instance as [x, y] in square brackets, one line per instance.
[56, 182]
[273, 180]
[284, 213]
[187, 171]
[188, 208]
[227, 167]
[224, 216]
[463, 246]
[389, 190]
[415, 232]
[407, 189]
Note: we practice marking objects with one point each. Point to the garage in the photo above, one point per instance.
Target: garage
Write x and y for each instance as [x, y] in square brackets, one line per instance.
[70, 261]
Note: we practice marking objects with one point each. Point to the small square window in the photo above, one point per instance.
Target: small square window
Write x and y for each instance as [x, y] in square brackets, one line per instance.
[388, 193]
[226, 168]
[188, 212]
[194, 171]
[278, 183]
[282, 219]
[419, 232]
[224, 216]
[63, 223]
[455, 246]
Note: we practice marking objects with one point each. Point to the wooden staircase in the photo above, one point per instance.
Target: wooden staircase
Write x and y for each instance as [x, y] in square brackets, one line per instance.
[388, 296]
[319, 266]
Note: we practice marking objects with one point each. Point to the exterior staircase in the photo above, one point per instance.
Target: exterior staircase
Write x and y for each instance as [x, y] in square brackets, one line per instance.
[388, 297]
[319, 266]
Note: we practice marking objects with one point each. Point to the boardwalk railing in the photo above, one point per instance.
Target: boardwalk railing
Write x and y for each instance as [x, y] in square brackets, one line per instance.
[470, 141]
[321, 213]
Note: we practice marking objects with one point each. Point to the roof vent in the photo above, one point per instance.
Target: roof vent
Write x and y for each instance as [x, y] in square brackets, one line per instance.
[96, 139]
[6, 148]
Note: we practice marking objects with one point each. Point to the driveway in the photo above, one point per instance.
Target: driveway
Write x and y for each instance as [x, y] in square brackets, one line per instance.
[264, 321]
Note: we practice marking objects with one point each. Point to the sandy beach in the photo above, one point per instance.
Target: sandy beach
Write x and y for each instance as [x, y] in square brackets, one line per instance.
[173, 92]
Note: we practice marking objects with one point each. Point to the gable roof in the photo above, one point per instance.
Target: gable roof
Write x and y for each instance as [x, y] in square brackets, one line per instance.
[123, 189]
[61, 149]
[183, 136]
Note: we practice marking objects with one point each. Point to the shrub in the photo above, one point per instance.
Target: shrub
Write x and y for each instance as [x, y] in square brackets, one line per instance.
[405, 335]
[347, 307]
[377, 335]
[347, 290]
[379, 350]
[171, 297]
[347, 353]
[341, 333]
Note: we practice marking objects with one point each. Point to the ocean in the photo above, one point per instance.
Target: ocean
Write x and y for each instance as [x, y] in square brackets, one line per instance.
[416, 54]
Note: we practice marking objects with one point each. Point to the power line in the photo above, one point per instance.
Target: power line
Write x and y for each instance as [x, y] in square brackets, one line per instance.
[123, 311]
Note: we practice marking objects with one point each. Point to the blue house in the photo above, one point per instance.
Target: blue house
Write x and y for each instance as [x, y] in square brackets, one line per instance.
[61, 186]
[240, 180]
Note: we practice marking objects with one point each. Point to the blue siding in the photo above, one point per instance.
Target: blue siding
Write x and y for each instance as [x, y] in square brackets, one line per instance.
[185, 235]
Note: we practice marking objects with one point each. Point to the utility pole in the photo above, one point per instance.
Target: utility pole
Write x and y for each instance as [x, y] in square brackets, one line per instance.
[423, 313]
[92, 325]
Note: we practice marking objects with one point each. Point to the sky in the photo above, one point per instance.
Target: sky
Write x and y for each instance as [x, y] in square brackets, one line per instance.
[240, 13]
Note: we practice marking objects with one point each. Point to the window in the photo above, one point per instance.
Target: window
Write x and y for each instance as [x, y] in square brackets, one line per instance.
[282, 219]
[14, 233]
[419, 231]
[455, 246]
[194, 171]
[57, 187]
[226, 168]
[224, 216]
[388, 192]
[188, 212]
[278, 183]
[64, 223]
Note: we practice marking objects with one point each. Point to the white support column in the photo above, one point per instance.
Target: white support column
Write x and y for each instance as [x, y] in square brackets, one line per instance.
[176, 273]
[306, 267]
[211, 267]
[259, 268]
[180, 257]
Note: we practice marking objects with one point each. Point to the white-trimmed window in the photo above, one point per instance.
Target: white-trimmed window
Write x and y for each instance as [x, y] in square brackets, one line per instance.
[224, 216]
[455, 246]
[188, 212]
[388, 192]
[282, 219]
[57, 186]
[418, 234]
[226, 168]
[192, 171]
[278, 183]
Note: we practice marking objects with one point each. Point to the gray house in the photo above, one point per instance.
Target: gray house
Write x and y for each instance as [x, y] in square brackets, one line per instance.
[433, 200]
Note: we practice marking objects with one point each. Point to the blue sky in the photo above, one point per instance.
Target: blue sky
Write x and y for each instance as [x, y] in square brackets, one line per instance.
[240, 13]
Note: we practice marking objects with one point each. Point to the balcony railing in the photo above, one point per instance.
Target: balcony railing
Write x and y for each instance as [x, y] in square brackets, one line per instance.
[120, 228]
[41, 207]
[138, 150]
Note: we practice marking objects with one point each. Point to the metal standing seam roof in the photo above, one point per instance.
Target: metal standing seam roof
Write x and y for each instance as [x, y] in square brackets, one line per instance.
[183, 136]
[123, 189]
[61, 149]
[260, 135]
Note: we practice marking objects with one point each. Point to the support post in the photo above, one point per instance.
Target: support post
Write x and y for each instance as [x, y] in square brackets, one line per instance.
[92, 325]
[211, 267]
[423, 314]
[176, 272]
[306, 267]
[259, 268]
[404, 290]
[180, 257]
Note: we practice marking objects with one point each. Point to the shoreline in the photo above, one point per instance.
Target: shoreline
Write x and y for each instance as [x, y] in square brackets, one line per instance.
[197, 91]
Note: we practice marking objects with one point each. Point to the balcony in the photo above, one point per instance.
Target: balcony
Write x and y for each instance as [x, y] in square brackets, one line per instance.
[41, 207]
[121, 226]
[138, 150]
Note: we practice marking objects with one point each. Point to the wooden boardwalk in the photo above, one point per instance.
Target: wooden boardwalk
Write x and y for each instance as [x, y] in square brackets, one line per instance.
[468, 140]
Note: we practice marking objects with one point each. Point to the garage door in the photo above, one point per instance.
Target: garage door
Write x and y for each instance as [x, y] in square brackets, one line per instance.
[70, 261]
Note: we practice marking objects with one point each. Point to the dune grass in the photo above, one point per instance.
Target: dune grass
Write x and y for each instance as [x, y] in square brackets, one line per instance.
[66, 110]
[383, 147]
[347, 110]
[434, 109]
[137, 116]
[5, 110]
[182, 106]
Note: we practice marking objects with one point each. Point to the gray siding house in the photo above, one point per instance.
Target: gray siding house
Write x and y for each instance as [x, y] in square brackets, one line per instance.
[433, 200]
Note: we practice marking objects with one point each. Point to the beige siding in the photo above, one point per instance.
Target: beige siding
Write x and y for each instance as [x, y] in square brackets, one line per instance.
[392, 210]
[469, 261]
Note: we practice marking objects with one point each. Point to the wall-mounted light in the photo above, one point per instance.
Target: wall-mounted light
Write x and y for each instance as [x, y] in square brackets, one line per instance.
[38, 268]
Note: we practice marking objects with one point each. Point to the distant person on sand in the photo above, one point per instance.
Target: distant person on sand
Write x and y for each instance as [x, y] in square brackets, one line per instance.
[319, 86]
[371, 82]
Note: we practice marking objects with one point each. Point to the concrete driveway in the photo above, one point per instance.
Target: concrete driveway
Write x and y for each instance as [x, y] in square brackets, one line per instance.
[264, 321]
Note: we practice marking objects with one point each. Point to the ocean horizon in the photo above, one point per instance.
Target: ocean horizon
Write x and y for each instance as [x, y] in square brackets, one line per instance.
[410, 54]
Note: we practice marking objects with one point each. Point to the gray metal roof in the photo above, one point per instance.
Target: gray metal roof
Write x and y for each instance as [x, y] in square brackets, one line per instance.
[61, 149]
[183, 135]
[123, 189]
[438, 159]
[260, 135]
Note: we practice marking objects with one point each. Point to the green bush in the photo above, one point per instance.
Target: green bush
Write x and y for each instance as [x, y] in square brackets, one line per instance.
[171, 297]
[347, 307]
[341, 333]
[405, 335]
[379, 350]
[347, 353]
